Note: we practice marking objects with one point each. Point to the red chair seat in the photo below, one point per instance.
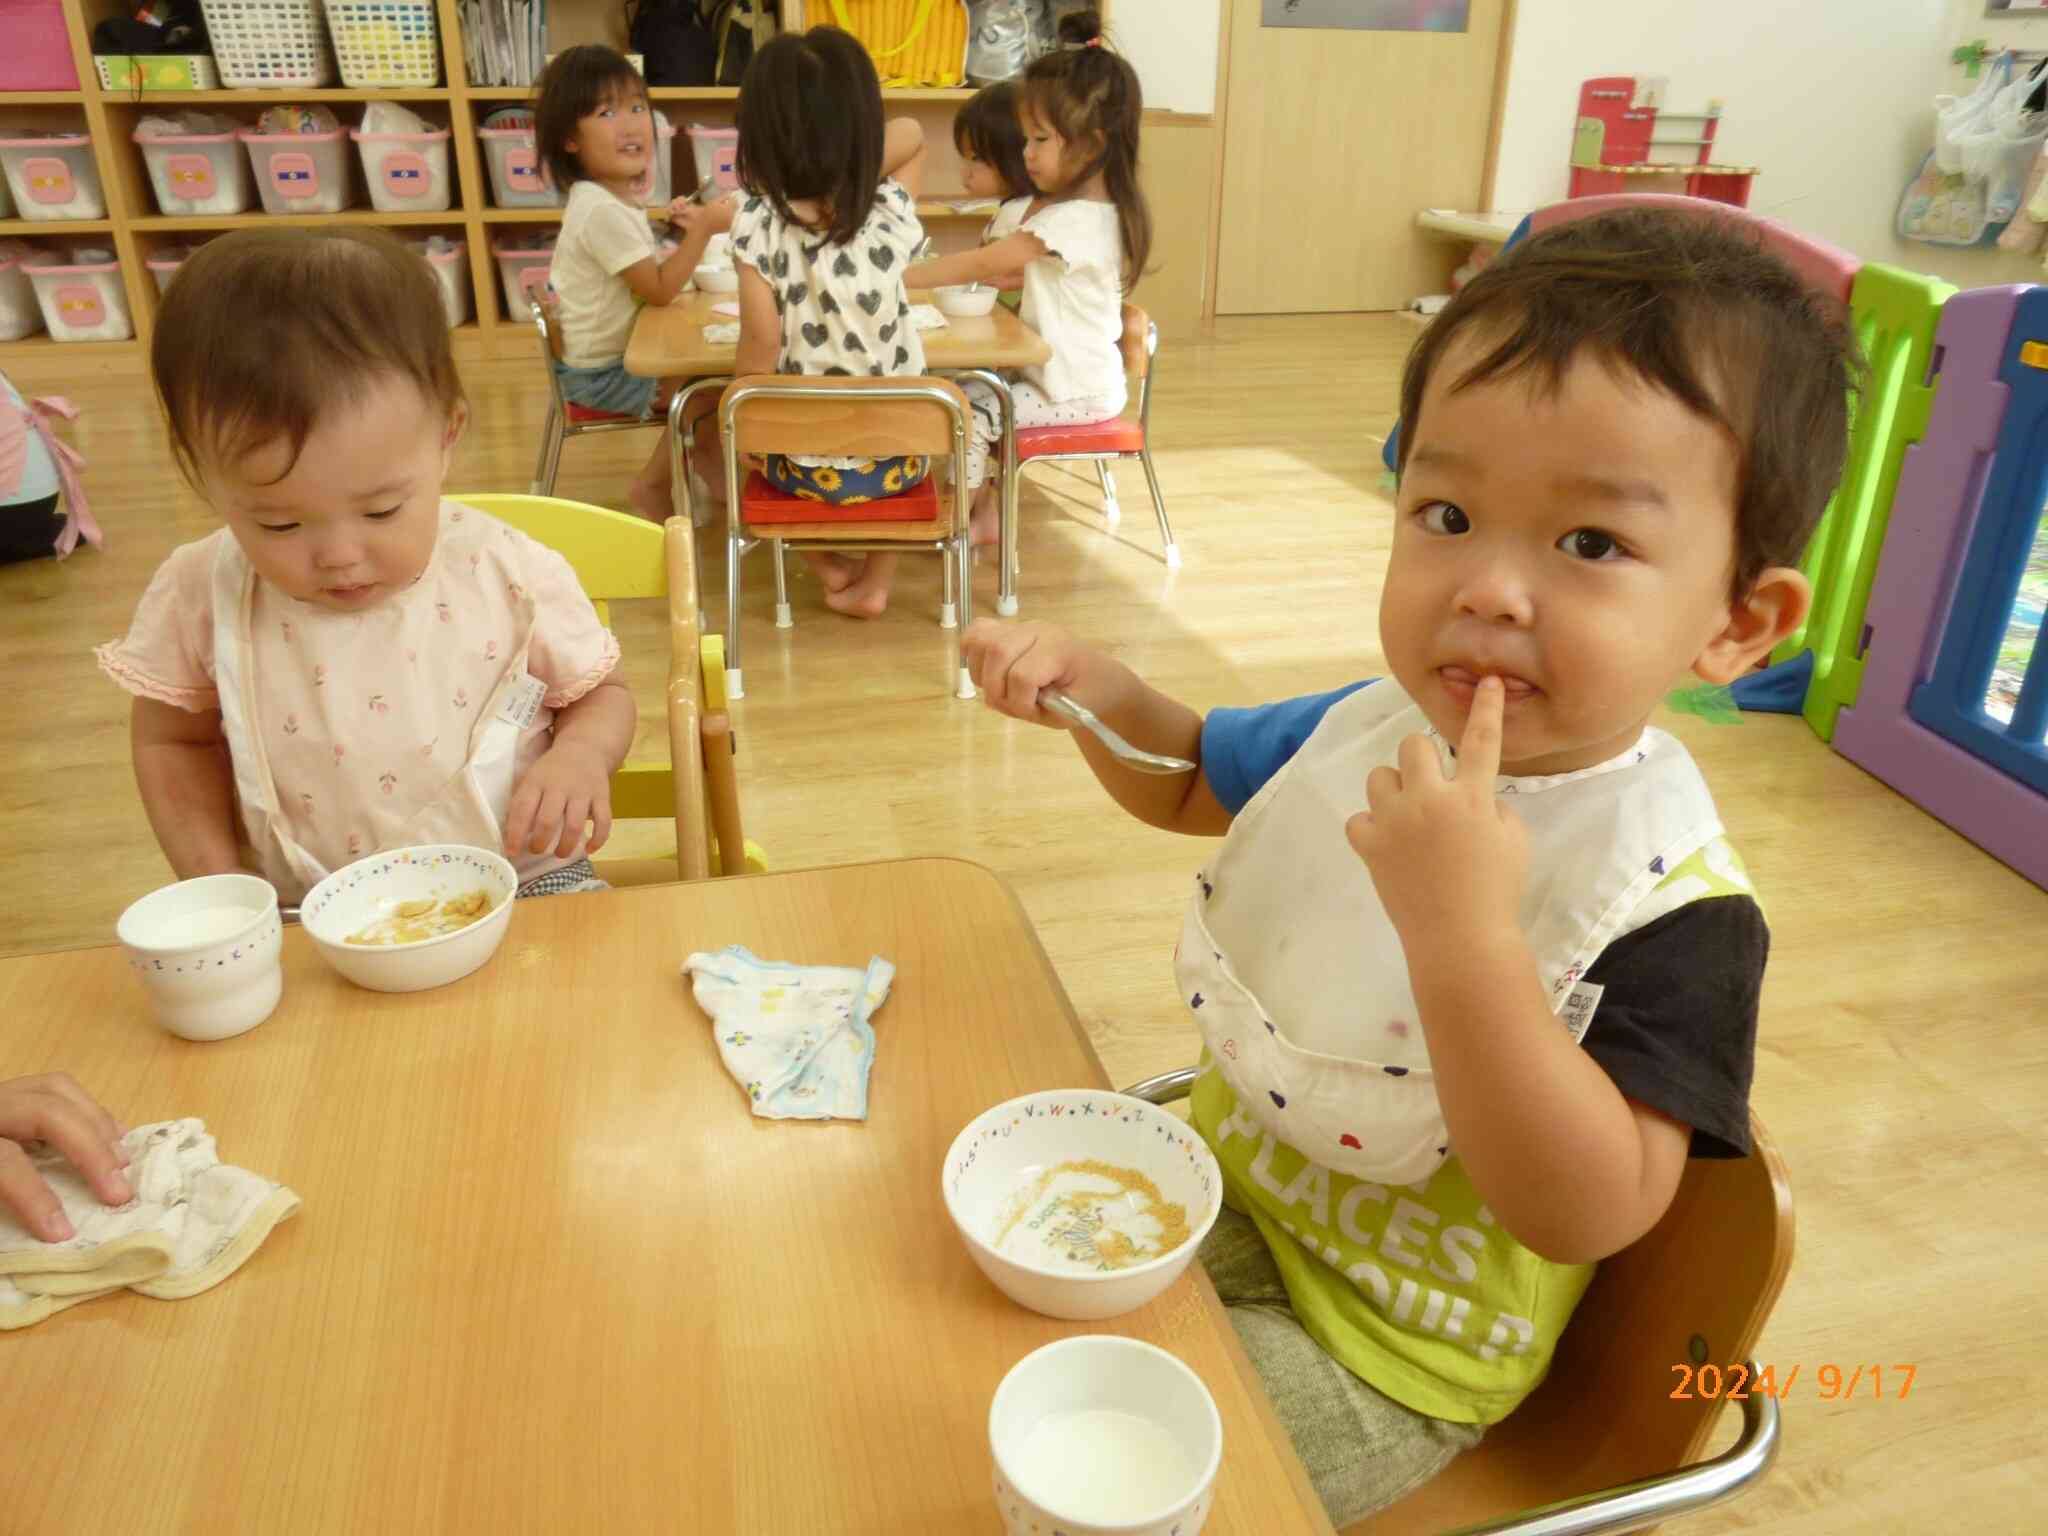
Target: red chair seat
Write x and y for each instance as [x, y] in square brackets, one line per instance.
[584, 414]
[1117, 435]
[763, 502]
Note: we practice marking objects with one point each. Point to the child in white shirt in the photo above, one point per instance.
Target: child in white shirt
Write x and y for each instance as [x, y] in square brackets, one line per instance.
[1079, 244]
[596, 134]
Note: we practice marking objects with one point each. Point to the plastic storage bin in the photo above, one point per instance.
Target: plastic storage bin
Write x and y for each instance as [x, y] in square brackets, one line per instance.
[407, 172]
[657, 183]
[20, 314]
[385, 42]
[450, 268]
[522, 271]
[517, 180]
[196, 172]
[53, 177]
[713, 149]
[300, 172]
[38, 55]
[81, 296]
[259, 44]
[163, 264]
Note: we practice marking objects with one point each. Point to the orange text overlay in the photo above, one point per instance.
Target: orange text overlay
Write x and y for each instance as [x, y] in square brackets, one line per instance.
[1830, 1382]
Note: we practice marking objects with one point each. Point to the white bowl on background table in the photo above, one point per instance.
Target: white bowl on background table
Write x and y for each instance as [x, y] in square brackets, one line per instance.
[964, 301]
[359, 894]
[207, 952]
[716, 279]
[1001, 1189]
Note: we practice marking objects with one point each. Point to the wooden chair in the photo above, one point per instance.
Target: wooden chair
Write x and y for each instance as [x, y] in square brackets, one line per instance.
[870, 418]
[565, 418]
[1105, 442]
[1603, 1445]
[616, 556]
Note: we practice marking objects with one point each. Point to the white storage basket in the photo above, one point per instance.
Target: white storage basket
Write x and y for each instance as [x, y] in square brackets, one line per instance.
[259, 44]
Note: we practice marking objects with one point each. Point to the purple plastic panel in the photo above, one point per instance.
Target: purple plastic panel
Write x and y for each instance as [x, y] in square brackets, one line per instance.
[1933, 517]
[1827, 268]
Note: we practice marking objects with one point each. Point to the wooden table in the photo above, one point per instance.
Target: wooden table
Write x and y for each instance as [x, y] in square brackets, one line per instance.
[668, 343]
[551, 1274]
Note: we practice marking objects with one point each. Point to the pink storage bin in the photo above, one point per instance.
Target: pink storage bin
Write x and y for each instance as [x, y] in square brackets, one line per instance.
[407, 172]
[53, 177]
[301, 172]
[518, 179]
[522, 273]
[196, 173]
[81, 300]
[450, 268]
[714, 149]
[20, 314]
[38, 52]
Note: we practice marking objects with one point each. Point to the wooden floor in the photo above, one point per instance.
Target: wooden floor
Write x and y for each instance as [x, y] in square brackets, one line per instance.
[1903, 1063]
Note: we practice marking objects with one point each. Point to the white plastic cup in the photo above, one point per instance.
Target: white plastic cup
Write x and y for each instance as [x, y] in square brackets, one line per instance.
[1100, 1435]
[207, 953]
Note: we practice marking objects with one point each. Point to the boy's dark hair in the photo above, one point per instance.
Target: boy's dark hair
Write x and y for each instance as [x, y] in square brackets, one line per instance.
[987, 128]
[276, 325]
[576, 84]
[1693, 305]
[1083, 90]
[810, 121]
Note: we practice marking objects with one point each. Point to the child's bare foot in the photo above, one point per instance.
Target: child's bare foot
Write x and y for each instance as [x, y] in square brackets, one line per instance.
[869, 596]
[835, 573]
[859, 601]
[985, 522]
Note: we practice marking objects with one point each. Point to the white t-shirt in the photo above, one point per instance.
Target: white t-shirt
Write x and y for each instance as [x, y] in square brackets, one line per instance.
[843, 308]
[601, 237]
[1073, 295]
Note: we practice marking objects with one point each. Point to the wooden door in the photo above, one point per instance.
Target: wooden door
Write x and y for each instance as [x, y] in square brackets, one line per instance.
[1333, 141]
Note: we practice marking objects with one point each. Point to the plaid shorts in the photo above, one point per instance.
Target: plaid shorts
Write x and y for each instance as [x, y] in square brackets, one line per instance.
[567, 880]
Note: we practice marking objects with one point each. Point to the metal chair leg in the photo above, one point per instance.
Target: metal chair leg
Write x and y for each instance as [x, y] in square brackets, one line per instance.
[782, 615]
[733, 690]
[544, 470]
[964, 686]
[1112, 513]
[948, 613]
[1159, 506]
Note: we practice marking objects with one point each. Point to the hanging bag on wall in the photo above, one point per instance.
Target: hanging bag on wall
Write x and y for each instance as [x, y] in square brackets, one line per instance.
[1004, 36]
[913, 42]
[1944, 203]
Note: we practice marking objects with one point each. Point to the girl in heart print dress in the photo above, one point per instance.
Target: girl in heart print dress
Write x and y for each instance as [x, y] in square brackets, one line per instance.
[823, 236]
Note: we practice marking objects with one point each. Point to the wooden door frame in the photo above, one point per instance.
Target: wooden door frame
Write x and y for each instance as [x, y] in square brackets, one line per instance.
[1504, 54]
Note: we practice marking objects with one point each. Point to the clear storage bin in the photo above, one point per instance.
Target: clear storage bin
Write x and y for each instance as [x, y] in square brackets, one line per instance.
[450, 272]
[522, 272]
[300, 172]
[163, 264]
[52, 176]
[713, 149]
[20, 314]
[407, 172]
[517, 179]
[196, 172]
[81, 297]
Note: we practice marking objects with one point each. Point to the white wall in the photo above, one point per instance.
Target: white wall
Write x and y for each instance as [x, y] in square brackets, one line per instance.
[1172, 45]
[1832, 98]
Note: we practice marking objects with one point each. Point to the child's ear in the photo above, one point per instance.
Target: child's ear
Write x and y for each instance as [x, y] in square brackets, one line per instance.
[458, 423]
[1775, 606]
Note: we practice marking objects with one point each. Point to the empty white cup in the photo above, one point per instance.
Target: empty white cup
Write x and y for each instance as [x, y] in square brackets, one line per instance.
[1099, 1435]
[207, 952]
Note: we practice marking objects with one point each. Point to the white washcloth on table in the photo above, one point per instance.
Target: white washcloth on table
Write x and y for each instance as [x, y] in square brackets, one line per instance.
[725, 335]
[193, 1222]
[927, 317]
[796, 1038]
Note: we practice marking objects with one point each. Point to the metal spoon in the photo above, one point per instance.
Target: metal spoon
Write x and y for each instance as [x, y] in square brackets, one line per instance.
[1125, 753]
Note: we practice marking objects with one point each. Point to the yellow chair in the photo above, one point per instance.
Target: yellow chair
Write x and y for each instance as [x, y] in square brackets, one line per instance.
[1615, 1439]
[617, 557]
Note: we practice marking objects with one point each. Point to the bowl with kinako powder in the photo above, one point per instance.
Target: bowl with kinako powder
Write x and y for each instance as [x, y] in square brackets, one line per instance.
[1080, 1203]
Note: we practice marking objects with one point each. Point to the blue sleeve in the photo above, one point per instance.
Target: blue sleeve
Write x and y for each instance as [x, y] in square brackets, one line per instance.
[1242, 748]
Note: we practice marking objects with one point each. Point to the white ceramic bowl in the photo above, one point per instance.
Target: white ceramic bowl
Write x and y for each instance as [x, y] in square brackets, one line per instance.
[963, 301]
[358, 894]
[1003, 1196]
[1096, 1434]
[717, 280]
[206, 950]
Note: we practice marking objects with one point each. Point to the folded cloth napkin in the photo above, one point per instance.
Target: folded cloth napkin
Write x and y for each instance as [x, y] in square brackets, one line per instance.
[927, 317]
[797, 1038]
[193, 1222]
[725, 335]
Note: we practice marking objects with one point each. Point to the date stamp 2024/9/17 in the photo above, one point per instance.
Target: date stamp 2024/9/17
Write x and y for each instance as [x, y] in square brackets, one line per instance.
[1833, 1383]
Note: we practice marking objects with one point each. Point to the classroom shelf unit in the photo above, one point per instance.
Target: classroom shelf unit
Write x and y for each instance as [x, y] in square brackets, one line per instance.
[138, 231]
